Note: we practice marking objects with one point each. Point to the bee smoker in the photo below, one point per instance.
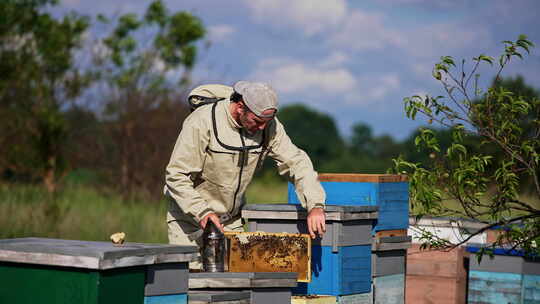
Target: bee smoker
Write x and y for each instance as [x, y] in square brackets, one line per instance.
[213, 249]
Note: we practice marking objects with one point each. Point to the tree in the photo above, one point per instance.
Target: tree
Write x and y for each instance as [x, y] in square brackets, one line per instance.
[362, 139]
[480, 185]
[38, 78]
[314, 132]
[144, 62]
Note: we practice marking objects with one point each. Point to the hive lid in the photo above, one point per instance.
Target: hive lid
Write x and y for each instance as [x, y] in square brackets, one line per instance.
[90, 254]
[362, 178]
[295, 212]
[198, 280]
[297, 208]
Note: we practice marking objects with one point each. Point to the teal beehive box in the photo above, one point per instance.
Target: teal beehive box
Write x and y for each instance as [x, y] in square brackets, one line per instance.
[509, 276]
[389, 192]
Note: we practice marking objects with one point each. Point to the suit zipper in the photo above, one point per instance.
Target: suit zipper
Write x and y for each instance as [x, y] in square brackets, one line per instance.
[242, 160]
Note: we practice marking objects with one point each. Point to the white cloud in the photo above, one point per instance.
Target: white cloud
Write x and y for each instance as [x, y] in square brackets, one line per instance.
[335, 59]
[373, 89]
[289, 76]
[446, 39]
[384, 85]
[217, 33]
[366, 31]
[422, 69]
[309, 16]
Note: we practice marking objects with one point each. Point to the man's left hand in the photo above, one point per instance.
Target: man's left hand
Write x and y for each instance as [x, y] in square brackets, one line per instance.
[316, 221]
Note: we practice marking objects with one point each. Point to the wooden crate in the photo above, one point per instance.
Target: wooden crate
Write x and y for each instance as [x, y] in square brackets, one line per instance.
[436, 276]
[270, 252]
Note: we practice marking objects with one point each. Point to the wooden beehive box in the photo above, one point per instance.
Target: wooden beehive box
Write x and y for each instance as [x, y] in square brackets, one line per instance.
[270, 252]
[436, 276]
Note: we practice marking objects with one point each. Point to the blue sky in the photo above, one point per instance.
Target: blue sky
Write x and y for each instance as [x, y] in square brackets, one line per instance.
[354, 60]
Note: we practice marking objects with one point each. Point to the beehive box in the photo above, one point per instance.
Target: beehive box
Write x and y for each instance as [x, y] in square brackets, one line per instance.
[218, 297]
[389, 254]
[455, 230]
[270, 252]
[531, 280]
[41, 270]
[436, 276]
[341, 259]
[387, 191]
[263, 287]
[361, 298]
[388, 267]
[507, 277]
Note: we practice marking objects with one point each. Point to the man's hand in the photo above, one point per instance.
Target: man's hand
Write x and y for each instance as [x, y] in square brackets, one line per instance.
[212, 217]
[316, 221]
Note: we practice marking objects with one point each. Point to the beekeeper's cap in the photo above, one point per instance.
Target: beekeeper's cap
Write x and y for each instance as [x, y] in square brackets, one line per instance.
[257, 96]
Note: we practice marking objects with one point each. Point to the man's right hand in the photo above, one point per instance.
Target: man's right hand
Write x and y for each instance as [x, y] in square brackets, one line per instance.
[212, 217]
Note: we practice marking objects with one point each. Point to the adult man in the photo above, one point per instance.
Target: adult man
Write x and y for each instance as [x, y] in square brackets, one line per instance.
[216, 154]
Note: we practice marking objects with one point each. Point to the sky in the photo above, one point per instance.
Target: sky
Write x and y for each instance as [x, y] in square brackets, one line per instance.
[353, 60]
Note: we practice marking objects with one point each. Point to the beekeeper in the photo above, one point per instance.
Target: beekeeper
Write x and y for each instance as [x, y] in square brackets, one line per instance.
[221, 144]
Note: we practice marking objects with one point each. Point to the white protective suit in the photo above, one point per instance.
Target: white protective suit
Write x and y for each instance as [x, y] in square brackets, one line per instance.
[213, 162]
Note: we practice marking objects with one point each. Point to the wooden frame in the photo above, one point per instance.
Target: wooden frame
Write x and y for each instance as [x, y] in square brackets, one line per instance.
[269, 252]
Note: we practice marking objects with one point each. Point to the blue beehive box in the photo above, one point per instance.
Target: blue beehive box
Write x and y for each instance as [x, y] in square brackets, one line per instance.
[507, 277]
[387, 191]
[345, 272]
[341, 259]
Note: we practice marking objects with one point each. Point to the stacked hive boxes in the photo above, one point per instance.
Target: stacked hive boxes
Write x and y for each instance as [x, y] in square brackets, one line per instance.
[341, 260]
[388, 271]
[507, 277]
[436, 276]
[38, 270]
[389, 193]
[440, 276]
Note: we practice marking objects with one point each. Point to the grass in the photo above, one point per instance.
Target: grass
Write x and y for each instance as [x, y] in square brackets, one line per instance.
[78, 212]
[81, 212]
[267, 191]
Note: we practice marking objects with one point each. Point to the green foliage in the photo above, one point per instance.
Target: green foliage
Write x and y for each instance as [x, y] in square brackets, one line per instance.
[173, 38]
[491, 153]
[314, 132]
[317, 134]
[38, 76]
[144, 61]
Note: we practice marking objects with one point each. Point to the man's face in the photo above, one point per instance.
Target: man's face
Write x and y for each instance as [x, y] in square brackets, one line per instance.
[253, 123]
